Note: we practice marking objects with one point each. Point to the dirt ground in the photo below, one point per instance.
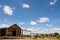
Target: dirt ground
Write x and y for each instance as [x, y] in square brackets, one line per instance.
[32, 39]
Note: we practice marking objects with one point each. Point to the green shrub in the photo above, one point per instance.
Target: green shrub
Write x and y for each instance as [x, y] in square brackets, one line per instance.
[58, 37]
[35, 36]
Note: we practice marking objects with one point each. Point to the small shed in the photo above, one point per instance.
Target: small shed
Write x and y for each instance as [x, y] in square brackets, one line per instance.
[13, 30]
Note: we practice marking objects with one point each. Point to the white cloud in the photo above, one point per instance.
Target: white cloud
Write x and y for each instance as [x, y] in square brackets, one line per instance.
[43, 19]
[0, 5]
[25, 5]
[44, 30]
[8, 10]
[14, 8]
[29, 29]
[21, 23]
[53, 2]
[34, 29]
[47, 31]
[4, 25]
[33, 23]
[56, 29]
[49, 25]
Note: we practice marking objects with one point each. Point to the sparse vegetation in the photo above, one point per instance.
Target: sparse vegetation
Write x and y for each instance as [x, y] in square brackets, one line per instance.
[58, 37]
[54, 36]
[32, 39]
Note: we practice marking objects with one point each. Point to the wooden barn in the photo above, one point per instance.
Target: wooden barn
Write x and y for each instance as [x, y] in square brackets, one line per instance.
[13, 30]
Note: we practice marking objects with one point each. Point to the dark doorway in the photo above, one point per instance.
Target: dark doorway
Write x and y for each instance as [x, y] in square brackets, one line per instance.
[14, 33]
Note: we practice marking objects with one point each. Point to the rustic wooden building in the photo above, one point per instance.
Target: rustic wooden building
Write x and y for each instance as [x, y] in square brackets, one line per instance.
[13, 30]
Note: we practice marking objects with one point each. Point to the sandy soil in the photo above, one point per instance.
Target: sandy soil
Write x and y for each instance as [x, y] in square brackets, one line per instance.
[32, 39]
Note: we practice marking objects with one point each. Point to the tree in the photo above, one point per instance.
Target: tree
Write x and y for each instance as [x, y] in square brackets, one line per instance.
[56, 34]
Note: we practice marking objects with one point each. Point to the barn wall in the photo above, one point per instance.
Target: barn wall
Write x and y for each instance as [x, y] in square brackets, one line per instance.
[10, 30]
[3, 32]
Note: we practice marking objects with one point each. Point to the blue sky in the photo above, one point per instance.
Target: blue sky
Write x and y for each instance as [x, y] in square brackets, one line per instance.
[42, 16]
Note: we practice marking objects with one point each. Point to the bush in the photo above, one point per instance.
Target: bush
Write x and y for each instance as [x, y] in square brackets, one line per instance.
[56, 34]
[58, 37]
[35, 36]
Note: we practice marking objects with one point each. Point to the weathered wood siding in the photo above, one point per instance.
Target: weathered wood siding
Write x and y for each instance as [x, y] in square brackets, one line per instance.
[14, 27]
[8, 31]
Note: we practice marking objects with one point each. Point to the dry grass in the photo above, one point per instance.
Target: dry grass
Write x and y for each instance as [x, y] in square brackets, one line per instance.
[32, 39]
